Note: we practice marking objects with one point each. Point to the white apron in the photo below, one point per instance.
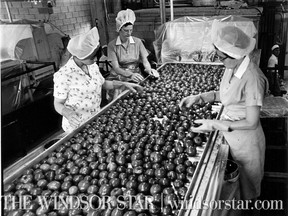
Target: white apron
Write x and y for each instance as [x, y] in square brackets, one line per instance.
[238, 90]
[247, 147]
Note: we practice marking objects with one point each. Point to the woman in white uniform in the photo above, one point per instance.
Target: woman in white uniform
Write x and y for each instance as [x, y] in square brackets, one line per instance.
[241, 92]
[126, 52]
[78, 84]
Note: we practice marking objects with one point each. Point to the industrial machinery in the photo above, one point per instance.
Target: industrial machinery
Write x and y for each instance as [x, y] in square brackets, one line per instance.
[30, 54]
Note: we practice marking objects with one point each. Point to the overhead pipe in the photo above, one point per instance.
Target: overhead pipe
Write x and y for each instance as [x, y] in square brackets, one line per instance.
[171, 10]
[106, 21]
[162, 11]
[8, 12]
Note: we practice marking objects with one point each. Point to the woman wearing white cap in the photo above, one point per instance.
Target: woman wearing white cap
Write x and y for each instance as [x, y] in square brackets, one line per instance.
[272, 72]
[78, 84]
[273, 60]
[241, 92]
[126, 52]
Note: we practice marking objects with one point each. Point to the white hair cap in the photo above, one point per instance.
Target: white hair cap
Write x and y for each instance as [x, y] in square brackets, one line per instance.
[123, 17]
[275, 47]
[85, 44]
[234, 42]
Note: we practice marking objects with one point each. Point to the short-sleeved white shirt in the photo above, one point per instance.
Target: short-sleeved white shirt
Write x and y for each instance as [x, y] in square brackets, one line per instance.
[238, 93]
[81, 91]
[273, 61]
[132, 54]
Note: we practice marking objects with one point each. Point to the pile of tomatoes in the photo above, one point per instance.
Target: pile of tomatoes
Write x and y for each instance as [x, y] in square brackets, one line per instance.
[141, 147]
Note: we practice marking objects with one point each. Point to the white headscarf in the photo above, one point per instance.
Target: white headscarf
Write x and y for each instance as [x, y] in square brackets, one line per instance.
[84, 45]
[234, 42]
[123, 17]
[275, 46]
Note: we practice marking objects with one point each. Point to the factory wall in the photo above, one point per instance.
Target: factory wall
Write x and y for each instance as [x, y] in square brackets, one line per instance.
[147, 21]
[73, 17]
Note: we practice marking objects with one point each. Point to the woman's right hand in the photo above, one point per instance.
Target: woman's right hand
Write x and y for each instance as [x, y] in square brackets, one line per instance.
[136, 77]
[189, 101]
[71, 116]
[133, 86]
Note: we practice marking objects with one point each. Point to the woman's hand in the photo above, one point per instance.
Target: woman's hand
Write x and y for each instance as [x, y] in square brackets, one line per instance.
[137, 77]
[154, 73]
[189, 101]
[208, 125]
[71, 116]
[133, 87]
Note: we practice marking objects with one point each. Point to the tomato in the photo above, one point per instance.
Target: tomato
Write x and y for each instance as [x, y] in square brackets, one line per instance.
[117, 212]
[155, 189]
[73, 190]
[130, 213]
[105, 190]
[83, 185]
[197, 140]
[191, 151]
[54, 185]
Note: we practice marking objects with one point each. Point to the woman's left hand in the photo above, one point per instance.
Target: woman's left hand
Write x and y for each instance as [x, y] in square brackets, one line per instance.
[154, 73]
[206, 126]
[133, 86]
